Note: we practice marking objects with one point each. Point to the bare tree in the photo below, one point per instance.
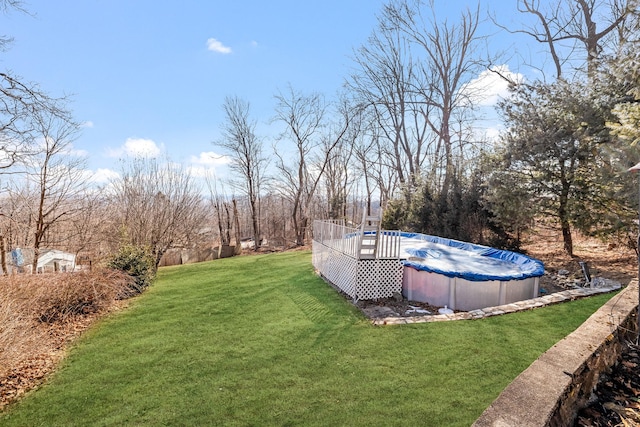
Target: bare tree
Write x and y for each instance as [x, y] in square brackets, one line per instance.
[413, 75]
[20, 105]
[15, 213]
[158, 206]
[20, 102]
[221, 205]
[6, 6]
[247, 158]
[60, 182]
[306, 127]
[50, 180]
[340, 173]
[12, 212]
[449, 58]
[385, 82]
[277, 222]
[236, 224]
[27, 115]
[567, 26]
[377, 174]
[337, 179]
[85, 228]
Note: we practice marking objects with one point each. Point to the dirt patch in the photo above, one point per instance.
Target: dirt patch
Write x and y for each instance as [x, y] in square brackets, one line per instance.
[610, 259]
[395, 307]
[30, 371]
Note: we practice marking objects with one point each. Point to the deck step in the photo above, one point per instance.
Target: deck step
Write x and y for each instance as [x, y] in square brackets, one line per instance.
[369, 229]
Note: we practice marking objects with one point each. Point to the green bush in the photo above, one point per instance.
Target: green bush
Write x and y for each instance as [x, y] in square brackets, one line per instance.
[138, 262]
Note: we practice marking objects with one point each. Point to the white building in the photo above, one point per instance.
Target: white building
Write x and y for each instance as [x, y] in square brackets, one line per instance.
[50, 260]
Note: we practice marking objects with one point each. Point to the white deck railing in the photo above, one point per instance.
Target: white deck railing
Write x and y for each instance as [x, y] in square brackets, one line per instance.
[335, 235]
[389, 244]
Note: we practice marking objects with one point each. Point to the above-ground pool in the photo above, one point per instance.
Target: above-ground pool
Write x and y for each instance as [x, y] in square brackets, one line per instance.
[370, 264]
[465, 276]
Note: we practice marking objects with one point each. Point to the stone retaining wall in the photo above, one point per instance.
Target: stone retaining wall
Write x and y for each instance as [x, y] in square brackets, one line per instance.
[559, 383]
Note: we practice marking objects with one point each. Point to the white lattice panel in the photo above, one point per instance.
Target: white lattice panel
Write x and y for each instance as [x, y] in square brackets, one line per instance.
[336, 267]
[378, 278]
[318, 256]
[344, 277]
[360, 279]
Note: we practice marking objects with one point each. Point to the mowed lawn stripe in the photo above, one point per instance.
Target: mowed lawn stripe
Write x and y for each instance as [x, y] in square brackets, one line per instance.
[260, 340]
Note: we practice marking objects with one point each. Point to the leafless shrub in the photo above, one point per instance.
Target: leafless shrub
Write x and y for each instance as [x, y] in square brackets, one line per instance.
[18, 331]
[31, 305]
[60, 296]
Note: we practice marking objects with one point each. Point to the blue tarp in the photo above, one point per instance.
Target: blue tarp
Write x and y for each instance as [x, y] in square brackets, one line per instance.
[17, 257]
[467, 260]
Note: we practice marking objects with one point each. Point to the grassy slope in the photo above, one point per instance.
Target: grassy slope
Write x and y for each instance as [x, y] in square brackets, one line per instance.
[261, 341]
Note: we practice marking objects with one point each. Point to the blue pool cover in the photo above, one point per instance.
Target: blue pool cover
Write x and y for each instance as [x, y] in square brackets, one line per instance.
[466, 260]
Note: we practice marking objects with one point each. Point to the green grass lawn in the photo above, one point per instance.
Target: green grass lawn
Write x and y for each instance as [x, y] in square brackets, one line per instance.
[261, 340]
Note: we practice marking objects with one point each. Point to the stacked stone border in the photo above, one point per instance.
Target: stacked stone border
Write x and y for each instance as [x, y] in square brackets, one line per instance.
[559, 383]
[529, 304]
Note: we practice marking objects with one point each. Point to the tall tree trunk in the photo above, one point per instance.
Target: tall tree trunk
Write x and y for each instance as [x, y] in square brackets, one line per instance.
[236, 223]
[3, 255]
[158, 257]
[36, 252]
[301, 231]
[564, 222]
[297, 226]
[255, 224]
[566, 237]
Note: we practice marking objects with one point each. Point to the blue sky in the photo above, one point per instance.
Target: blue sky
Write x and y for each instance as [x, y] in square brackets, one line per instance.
[154, 74]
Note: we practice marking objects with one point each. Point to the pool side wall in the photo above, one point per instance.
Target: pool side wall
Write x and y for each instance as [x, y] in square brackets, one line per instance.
[462, 294]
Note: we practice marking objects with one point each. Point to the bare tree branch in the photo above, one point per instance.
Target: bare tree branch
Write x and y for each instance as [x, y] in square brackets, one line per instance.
[247, 158]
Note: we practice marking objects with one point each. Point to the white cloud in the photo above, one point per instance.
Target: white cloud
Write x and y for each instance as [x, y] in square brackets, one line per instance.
[254, 43]
[207, 164]
[87, 124]
[137, 147]
[217, 46]
[103, 176]
[77, 152]
[491, 86]
[210, 158]
[493, 133]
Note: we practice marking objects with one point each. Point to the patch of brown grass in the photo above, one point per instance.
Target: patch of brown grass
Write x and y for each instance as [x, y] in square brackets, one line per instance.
[40, 313]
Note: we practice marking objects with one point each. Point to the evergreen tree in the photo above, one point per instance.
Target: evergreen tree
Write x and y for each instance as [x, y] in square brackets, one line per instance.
[553, 152]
